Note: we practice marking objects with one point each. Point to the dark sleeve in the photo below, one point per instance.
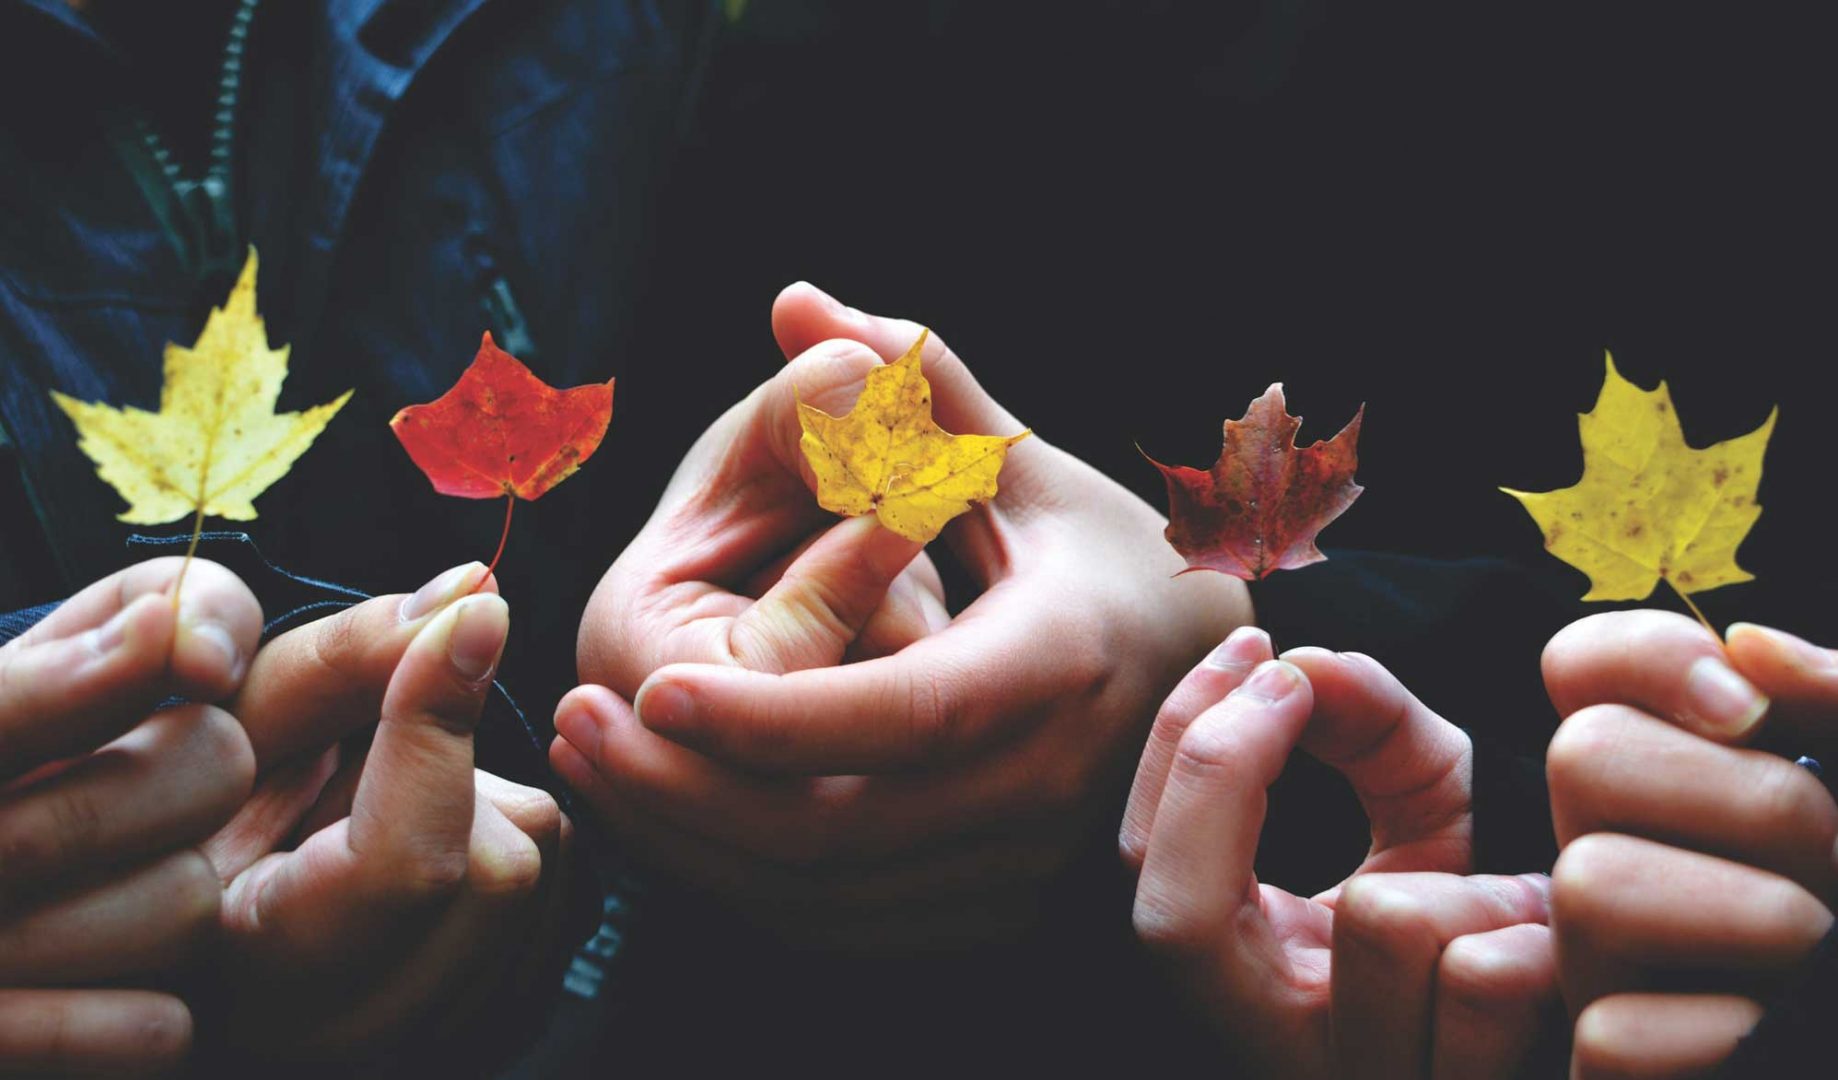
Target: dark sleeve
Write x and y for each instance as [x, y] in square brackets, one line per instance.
[1465, 635]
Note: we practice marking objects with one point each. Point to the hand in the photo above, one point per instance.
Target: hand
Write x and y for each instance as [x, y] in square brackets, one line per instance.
[1695, 874]
[102, 801]
[419, 886]
[931, 789]
[1407, 968]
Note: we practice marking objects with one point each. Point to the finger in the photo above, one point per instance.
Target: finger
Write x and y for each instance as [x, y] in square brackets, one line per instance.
[412, 816]
[1629, 912]
[954, 893]
[1216, 676]
[1616, 769]
[1800, 678]
[477, 938]
[1197, 898]
[813, 823]
[314, 684]
[1659, 1036]
[914, 608]
[823, 599]
[1657, 661]
[272, 814]
[931, 703]
[92, 1033]
[1390, 931]
[215, 633]
[168, 783]
[1410, 768]
[804, 316]
[147, 921]
[1496, 1003]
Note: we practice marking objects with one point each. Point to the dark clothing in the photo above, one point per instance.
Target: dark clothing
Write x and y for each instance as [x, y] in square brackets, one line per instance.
[414, 171]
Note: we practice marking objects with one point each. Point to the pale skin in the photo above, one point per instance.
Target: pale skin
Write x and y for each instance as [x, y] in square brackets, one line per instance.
[393, 891]
[933, 788]
[254, 862]
[1685, 853]
[1411, 967]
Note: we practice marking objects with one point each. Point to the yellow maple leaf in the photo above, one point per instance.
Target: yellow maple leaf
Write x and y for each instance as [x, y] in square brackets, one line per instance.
[216, 441]
[1649, 508]
[888, 458]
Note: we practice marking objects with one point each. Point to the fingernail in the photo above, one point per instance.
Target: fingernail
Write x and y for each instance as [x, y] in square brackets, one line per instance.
[1273, 681]
[218, 637]
[443, 590]
[1721, 699]
[477, 639]
[664, 707]
[1800, 652]
[1541, 883]
[1245, 645]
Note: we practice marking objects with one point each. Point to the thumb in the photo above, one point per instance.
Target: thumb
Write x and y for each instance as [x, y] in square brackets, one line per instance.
[804, 315]
[822, 601]
[1411, 769]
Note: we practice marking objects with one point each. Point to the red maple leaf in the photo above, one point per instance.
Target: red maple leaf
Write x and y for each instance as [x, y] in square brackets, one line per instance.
[502, 431]
[1260, 506]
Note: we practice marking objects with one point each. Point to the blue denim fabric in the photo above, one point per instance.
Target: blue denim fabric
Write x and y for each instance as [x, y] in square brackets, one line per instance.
[412, 172]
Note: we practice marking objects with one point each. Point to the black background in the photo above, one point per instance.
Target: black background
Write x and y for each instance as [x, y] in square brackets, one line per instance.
[1131, 217]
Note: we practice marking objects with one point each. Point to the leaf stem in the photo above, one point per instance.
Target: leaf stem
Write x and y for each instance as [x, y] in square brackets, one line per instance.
[510, 503]
[197, 530]
[1694, 608]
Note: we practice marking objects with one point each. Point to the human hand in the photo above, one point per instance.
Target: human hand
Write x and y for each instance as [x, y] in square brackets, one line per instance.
[103, 798]
[933, 788]
[1408, 967]
[1696, 873]
[419, 886]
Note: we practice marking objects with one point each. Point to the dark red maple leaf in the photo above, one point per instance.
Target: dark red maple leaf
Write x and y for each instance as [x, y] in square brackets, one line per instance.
[1260, 506]
[502, 431]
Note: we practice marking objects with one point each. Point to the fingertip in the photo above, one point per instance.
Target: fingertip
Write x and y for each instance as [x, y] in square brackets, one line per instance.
[803, 314]
[445, 588]
[1243, 648]
[475, 634]
[581, 718]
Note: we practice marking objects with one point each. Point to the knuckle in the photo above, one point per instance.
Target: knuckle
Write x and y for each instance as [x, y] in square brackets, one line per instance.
[1587, 878]
[1600, 1041]
[431, 874]
[1582, 743]
[1205, 752]
[509, 870]
[1382, 916]
[1166, 930]
[1476, 975]
[924, 697]
[1787, 797]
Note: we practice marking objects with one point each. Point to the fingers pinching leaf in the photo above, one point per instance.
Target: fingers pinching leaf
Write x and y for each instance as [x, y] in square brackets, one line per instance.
[887, 457]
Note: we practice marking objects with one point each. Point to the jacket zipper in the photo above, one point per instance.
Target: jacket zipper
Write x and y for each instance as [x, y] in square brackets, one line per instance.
[198, 214]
